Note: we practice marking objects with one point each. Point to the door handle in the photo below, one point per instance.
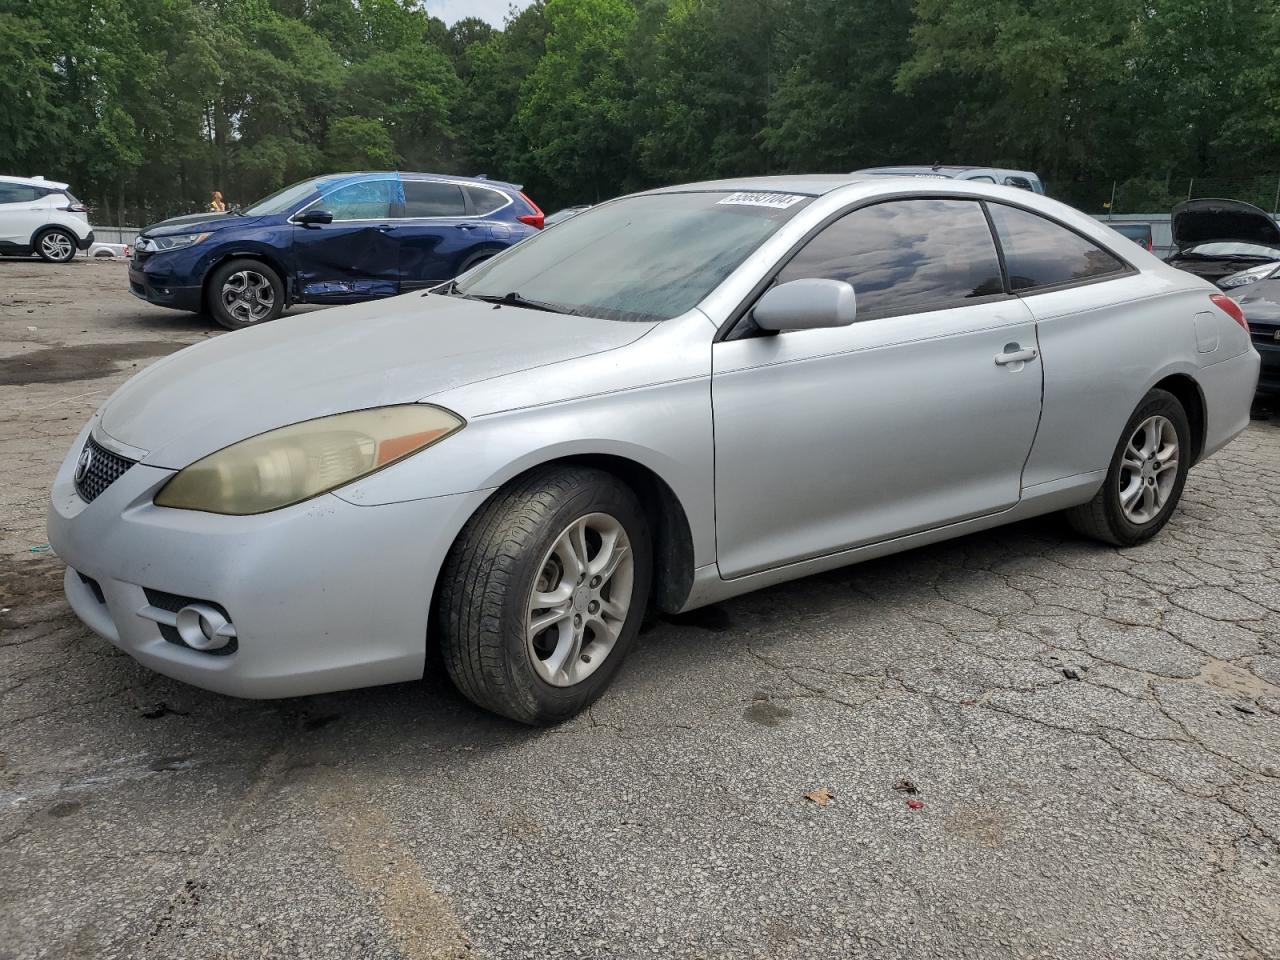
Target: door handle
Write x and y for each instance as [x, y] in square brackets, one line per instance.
[384, 227]
[1015, 354]
[468, 226]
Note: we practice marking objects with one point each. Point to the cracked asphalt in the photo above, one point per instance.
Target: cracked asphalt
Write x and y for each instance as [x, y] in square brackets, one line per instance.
[1037, 747]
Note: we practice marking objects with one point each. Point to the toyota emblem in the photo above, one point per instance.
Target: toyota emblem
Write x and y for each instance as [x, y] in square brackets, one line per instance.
[83, 464]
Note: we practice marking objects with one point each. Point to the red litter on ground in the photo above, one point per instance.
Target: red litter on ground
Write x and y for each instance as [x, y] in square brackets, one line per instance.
[915, 804]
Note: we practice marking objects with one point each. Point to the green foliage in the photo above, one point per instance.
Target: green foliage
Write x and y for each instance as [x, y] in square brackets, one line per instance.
[145, 106]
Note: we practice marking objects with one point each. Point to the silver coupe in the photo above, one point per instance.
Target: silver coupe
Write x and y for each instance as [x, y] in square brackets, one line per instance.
[669, 399]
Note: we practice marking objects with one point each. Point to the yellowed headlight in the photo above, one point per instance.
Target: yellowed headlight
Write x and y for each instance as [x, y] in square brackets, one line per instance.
[295, 463]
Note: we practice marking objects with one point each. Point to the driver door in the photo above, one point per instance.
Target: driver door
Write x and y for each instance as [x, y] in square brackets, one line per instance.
[910, 418]
[357, 256]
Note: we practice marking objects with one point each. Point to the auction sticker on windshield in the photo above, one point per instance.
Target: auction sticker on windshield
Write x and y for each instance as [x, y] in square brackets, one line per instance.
[779, 201]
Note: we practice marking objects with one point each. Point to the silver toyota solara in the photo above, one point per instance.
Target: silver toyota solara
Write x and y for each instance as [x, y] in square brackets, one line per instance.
[670, 399]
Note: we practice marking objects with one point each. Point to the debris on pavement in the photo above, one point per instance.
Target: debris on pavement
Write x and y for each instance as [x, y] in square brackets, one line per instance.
[822, 796]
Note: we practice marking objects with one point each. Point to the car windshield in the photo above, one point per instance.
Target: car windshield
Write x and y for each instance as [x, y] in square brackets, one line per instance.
[1226, 249]
[282, 200]
[642, 258]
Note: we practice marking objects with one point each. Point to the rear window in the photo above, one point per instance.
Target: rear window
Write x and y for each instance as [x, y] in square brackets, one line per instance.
[1041, 253]
[433, 198]
[643, 258]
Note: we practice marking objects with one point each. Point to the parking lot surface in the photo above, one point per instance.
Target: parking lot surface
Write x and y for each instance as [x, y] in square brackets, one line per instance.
[1016, 744]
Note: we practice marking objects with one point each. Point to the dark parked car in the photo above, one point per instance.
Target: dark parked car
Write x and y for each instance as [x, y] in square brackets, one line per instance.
[1260, 301]
[333, 239]
[1139, 233]
[1216, 238]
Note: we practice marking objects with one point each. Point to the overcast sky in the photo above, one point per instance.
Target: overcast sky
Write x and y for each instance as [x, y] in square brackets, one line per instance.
[495, 11]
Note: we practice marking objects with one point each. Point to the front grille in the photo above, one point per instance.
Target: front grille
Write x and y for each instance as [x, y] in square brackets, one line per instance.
[102, 469]
[1264, 334]
[173, 603]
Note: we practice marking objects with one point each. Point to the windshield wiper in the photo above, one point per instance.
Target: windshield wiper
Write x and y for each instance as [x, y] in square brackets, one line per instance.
[514, 299]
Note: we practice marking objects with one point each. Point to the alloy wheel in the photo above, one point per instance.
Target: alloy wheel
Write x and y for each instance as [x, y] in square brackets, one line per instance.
[580, 599]
[1148, 469]
[57, 246]
[248, 296]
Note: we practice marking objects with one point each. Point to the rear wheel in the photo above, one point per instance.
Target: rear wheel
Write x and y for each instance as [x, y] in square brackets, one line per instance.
[543, 593]
[1146, 476]
[56, 245]
[244, 293]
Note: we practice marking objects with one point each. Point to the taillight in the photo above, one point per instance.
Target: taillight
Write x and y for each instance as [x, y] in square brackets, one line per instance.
[535, 219]
[1230, 308]
[1150, 245]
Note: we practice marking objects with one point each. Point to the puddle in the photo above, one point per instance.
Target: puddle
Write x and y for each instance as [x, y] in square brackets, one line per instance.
[82, 362]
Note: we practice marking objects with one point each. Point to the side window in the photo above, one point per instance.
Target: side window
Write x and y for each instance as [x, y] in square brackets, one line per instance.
[1040, 253]
[431, 198]
[368, 200]
[485, 201]
[17, 193]
[905, 256]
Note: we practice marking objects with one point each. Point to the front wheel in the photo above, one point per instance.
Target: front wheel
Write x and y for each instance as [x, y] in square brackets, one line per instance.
[543, 593]
[56, 246]
[1146, 476]
[244, 293]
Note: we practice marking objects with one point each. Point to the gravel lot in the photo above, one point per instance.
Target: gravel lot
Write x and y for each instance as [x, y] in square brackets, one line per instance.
[1093, 734]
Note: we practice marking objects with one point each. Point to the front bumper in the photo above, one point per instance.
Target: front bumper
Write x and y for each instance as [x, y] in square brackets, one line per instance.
[324, 595]
[1268, 347]
[161, 292]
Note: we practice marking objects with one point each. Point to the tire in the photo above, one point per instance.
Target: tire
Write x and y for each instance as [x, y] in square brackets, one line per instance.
[517, 542]
[56, 245]
[244, 293]
[475, 261]
[1106, 517]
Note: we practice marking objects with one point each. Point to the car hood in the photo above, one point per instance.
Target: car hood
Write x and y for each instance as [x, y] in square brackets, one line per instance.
[1213, 221]
[401, 350]
[1260, 301]
[205, 221]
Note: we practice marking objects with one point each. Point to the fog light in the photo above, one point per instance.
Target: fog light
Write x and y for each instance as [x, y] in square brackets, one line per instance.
[201, 627]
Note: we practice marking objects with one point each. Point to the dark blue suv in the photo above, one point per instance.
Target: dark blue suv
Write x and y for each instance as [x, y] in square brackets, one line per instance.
[333, 239]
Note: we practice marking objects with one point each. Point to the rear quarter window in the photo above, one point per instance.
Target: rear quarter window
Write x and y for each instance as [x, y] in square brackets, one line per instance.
[485, 201]
[1040, 253]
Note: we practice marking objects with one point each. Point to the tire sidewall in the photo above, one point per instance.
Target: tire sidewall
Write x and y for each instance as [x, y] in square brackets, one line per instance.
[65, 233]
[1156, 403]
[537, 698]
[213, 294]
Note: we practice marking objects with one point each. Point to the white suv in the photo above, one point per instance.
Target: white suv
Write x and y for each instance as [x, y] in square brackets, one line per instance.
[41, 216]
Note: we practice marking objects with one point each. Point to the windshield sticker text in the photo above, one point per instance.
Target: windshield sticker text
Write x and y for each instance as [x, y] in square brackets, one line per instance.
[779, 201]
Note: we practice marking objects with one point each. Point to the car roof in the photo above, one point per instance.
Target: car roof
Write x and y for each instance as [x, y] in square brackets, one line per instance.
[340, 179]
[809, 185]
[34, 182]
[943, 170]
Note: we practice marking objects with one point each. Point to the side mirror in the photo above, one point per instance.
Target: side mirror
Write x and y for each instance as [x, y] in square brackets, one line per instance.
[313, 218]
[806, 305]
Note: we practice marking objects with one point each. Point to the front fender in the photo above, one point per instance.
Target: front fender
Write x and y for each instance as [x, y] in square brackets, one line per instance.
[665, 428]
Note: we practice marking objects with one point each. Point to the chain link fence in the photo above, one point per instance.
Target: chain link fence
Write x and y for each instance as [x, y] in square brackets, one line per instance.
[1150, 195]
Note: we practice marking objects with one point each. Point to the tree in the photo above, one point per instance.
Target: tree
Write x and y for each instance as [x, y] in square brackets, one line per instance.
[575, 106]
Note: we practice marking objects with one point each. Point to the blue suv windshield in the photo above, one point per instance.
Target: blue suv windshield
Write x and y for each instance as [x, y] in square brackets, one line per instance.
[282, 200]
